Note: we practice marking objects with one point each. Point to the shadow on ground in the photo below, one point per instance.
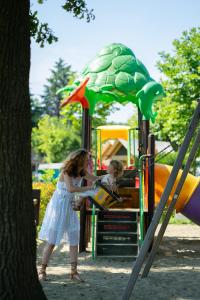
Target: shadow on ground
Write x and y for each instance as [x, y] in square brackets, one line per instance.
[175, 275]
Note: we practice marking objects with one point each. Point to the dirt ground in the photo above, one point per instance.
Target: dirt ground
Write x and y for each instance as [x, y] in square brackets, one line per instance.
[175, 274]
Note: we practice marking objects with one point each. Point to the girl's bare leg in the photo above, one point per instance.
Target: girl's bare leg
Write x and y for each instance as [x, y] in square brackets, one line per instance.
[73, 250]
[48, 249]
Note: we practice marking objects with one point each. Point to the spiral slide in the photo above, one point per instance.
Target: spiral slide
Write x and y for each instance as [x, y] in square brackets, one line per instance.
[189, 199]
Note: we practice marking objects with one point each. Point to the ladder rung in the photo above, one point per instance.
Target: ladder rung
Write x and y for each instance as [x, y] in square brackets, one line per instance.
[103, 244]
[117, 256]
[117, 232]
[117, 222]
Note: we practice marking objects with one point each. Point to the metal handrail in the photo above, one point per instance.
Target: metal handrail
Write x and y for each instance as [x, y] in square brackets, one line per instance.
[141, 198]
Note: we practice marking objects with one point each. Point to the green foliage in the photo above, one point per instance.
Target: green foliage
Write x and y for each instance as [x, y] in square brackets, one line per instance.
[53, 139]
[79, 9]
[61, 74]
[40, 31]
[47, 177]
[167, 158]
[170, 158]
[47, 190]
[43, 34]
[174, 220]
[182, 72]
[102, 111]
[72, 114]
[133, 121]
[37, 110]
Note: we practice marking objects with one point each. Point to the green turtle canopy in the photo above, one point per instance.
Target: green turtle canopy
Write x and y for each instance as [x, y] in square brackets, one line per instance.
[115, 74]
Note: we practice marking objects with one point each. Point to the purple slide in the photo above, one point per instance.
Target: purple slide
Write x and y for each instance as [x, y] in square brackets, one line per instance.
[192, 208]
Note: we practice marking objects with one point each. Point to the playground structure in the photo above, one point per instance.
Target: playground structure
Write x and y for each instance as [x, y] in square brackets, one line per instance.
[117, 75]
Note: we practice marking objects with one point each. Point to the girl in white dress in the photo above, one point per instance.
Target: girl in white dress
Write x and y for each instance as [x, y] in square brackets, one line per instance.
[61, 223]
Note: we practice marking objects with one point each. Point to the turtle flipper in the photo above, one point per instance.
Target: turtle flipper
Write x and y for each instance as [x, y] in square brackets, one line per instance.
[68, 88]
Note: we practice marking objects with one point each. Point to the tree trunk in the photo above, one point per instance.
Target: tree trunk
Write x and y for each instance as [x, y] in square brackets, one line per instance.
[18, 275]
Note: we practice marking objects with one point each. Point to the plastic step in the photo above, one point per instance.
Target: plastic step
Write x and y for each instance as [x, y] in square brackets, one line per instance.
[117, 237]
[117, 215]
[118, 256]
[117, 226]
[116, 249]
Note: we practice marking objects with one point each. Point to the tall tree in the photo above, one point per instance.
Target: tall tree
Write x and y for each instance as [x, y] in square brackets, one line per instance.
[181, 71]
[17, 229]
[61, 75]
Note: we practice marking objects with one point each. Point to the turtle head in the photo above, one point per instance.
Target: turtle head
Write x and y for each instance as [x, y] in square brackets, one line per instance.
[151, 92]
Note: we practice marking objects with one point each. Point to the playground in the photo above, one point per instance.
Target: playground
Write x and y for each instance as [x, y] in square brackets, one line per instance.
[117, 228]
[174, 275]
[100, 150]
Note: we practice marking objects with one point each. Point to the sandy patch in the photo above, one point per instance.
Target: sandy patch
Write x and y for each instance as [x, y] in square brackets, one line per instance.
[175, 274]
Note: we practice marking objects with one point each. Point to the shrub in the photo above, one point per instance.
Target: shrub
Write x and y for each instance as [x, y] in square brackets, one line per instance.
[174, 220]
[47, 190]
[48, 176]
[167, 158]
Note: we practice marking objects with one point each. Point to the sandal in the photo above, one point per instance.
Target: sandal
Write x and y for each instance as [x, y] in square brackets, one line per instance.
[42, 275]
[76, 277]
[74, 274]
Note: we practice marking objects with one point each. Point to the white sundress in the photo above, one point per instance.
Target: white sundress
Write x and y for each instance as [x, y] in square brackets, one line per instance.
[61, 223]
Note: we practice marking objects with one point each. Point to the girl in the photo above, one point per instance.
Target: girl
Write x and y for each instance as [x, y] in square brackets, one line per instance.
[115, 170]
[61, 223]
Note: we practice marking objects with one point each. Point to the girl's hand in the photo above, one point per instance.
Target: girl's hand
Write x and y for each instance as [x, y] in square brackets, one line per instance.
[99, 178]
[88, 187]
[93, 186]
[121, 199]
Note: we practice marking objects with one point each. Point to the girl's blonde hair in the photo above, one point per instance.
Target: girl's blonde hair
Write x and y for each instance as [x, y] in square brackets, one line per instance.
[118, 167]
[74, 164]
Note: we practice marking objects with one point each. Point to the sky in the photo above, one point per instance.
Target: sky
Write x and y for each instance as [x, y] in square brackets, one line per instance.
[146, 26]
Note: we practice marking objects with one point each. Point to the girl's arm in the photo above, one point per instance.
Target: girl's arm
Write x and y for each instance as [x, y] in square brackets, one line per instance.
[71, 188]
[92, 177]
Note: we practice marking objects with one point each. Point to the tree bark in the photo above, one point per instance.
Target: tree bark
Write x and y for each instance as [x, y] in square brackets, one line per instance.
[18, 275]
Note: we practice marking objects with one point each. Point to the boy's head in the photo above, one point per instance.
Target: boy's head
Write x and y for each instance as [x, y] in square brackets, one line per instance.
[115, 168]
